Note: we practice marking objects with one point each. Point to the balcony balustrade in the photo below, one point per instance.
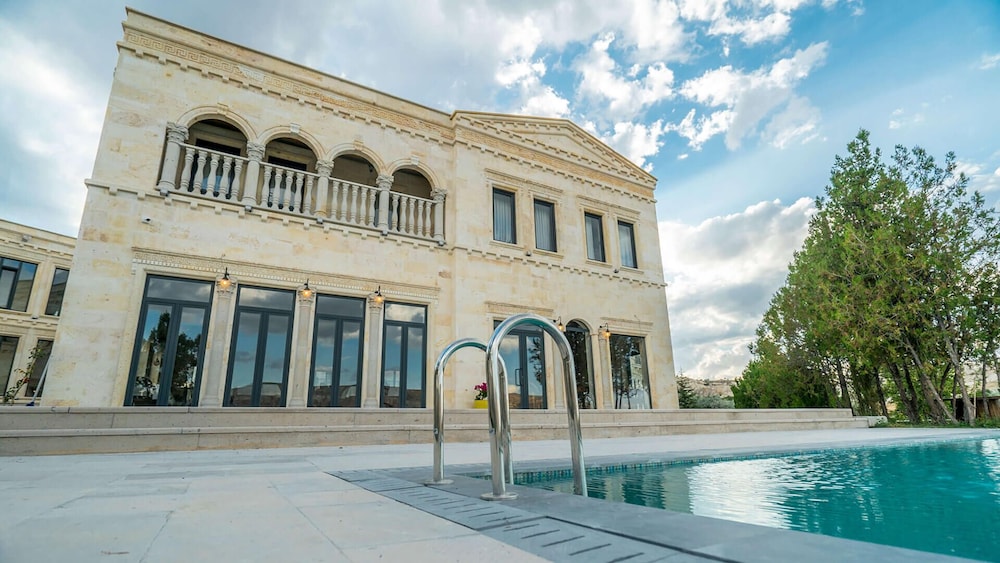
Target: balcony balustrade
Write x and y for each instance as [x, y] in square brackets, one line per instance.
[210, 174]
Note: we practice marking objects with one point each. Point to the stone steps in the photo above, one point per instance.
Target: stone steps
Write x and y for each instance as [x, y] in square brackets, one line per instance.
[61, 430]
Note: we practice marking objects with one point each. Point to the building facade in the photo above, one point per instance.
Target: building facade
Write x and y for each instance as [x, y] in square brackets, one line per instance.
[34, 270]
[259, 234]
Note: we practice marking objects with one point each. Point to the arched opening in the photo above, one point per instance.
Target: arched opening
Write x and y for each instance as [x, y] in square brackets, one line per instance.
[411, 182]
[288, 174]
[355, 169]
[579, 343]
[213, 159]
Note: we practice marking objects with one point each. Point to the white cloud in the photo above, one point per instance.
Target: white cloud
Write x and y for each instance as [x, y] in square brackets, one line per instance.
[980, 179]
[656, 32]
[546, 103]
[706, 127]
[989, 61]
[601, 79]
[750, 97]
[901, 119]
[799, 121]
[722, 274]
[637, 141]
[754, 30]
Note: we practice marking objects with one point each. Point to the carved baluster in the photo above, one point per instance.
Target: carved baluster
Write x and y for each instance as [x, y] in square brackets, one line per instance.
[352, 209]
[362, 205]
[227, 165]
[335, 200]
[176, 134]
[372, 219]
[297, 193]
[268, 185]
[394, 213]
[384, 183]
[279, 188]
[213, 167]
[186, 173]
[234, 187]
[409, 216]
[199, 174]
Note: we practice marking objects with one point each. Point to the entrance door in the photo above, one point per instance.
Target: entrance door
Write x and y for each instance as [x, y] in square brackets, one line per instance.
[579, 344]
[524, 355]
[170, 343]
[258, 365]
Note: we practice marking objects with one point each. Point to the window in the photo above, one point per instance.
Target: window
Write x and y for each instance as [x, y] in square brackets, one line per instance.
[8, 345]
[626, 242]
[628, 372]
[54, 306]
[504, 226]
[16, 278]
[38, 368]
[595, 237]
[545, 226]
[262, 342]
[403, 353]
[169, 343]
[336, 364]
[523, 352]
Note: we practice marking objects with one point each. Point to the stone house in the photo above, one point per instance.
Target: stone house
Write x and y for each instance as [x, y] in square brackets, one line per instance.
[260, 234]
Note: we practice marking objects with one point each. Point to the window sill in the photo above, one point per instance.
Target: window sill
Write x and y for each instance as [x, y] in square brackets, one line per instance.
[549, 253]
[592, 262]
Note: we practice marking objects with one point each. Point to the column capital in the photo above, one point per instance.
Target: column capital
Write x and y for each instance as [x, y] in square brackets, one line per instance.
[255, 151]
[439, 194]
[384, 182]
[176, 133]
[324, 167]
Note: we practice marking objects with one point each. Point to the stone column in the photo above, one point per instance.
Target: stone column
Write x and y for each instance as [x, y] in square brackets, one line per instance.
[597, 369]
[608, 393]
[298, 379]
[323, 168]
[255, 152]
[439, 195]
[384, 184]
[213, 378]
[176, 134]
[372, 377]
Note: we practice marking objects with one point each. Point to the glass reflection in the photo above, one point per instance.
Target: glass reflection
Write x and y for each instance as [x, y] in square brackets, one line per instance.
[391, 365]
[415, 367]
[263, 298]
[179, 290]
[523, 353]
[244, 362]
[146, 386]
[185, 360]
[629, 378]
[404, 313]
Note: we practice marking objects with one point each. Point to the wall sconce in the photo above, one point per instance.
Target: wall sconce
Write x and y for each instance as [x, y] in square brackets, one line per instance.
[377, 296]
[605, 331]
[224, 282]
[560, 325]
[306, 292]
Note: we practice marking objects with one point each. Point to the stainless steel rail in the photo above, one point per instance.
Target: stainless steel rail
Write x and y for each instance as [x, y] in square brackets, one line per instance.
[504, 427]
[500, 410]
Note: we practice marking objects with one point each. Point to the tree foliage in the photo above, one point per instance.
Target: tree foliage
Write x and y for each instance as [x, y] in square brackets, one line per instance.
[893, 296]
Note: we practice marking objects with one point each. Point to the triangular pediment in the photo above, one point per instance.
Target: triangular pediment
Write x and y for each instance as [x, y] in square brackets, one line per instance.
[558, 137]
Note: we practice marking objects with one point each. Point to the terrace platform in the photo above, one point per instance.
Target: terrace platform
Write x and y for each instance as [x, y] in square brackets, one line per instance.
[70, 430]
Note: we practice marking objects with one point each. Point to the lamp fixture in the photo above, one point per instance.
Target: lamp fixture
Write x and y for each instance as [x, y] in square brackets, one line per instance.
[560, 325]
[377, 296]
[224, 282]
[605, 331]
[306, 291]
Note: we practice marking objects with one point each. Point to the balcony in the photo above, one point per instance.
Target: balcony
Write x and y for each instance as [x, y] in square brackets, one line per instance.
[212, 174]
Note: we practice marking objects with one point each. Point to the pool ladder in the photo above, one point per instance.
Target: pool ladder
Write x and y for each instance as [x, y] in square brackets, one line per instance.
[501, 463]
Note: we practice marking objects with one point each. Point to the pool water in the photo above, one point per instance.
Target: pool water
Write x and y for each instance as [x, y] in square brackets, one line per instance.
[941, 497]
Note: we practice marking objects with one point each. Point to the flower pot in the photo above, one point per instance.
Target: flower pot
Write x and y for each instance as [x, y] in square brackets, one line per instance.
[480, 403]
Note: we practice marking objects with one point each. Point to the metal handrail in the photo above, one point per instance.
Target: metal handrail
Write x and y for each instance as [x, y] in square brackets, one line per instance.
[498, 412]
[505, 438]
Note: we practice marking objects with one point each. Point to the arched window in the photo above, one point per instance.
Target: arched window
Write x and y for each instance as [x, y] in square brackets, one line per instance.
[288, 175]
[411, 182]
[355, 169]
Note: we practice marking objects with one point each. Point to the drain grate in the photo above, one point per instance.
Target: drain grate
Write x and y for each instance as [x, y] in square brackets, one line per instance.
[546, 537]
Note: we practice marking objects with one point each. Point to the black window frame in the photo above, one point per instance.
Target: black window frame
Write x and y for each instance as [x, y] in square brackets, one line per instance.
[53, 305]
[404, 374]
[551, 211]
[265, 319]
[338, 349]
[587, 218]
[497, 192]
[630, 240]
[170, 350]
[13, 269]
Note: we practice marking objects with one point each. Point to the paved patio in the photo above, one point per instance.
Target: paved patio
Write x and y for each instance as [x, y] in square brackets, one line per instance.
[281, 505]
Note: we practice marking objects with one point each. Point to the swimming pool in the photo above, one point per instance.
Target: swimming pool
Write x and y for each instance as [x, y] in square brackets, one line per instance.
[941, 497]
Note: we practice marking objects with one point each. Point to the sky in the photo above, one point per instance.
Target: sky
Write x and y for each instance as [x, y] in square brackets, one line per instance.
[738, 108]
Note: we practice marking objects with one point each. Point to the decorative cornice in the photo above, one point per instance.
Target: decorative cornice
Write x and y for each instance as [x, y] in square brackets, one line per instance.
[508, 309]
[515, 182]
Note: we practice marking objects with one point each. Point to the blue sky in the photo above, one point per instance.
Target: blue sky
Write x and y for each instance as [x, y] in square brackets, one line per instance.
[737, 107]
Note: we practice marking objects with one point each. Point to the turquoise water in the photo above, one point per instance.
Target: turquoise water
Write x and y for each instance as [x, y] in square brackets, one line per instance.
[942, 497]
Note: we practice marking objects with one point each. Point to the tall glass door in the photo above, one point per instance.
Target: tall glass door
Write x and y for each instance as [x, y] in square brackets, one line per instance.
[258, 364]
[579, 345]
[336, 367]
[403, 356]
[170, 343]
[523, 353]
